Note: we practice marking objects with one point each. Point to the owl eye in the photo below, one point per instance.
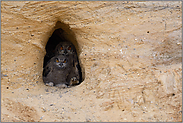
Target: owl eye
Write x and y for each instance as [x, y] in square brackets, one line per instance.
[69, 48]
[64, 61]
[61, 48]
[57, 60]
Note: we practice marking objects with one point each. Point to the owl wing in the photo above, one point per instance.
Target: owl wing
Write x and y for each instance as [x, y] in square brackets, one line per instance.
[77, 67]
[47, 69]
[74, 76]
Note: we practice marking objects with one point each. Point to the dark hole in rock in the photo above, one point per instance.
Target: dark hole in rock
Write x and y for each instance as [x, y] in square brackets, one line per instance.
[52, 45]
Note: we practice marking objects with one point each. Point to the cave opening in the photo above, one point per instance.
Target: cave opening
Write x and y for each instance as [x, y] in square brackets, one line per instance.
[60, 35]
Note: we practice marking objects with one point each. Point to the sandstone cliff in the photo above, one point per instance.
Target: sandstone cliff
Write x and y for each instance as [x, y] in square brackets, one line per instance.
[130, 54]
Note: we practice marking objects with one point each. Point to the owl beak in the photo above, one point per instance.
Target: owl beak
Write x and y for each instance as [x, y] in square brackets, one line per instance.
[65, 51]
[61, 64]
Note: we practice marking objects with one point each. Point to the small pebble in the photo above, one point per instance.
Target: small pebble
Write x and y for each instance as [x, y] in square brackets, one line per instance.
[41, 117]
[5, 75]
[44, 110]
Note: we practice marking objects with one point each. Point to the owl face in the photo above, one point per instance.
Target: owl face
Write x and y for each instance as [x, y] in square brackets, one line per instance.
[65, 48]
[61, 62]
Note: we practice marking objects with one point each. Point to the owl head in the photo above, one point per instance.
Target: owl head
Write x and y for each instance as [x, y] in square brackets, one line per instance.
[61, 62]
[65, 48]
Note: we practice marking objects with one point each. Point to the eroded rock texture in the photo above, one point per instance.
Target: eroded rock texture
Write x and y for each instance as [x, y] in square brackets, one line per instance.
[130, 54]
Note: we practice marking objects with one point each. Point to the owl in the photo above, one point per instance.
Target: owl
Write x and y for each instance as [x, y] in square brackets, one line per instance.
[67, 49]
[57, 71]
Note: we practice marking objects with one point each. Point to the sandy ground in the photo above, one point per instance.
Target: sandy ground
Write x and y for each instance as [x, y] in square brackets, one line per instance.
[130, 54]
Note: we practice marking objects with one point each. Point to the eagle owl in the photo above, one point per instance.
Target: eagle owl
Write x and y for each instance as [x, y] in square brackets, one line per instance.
[57, 71]
[67, 49]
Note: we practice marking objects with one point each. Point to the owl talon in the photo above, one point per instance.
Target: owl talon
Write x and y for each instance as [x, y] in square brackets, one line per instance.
[74, 81]
[61, 85]
[49, 84]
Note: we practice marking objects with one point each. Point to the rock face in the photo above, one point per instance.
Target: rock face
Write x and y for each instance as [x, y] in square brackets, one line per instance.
[130, 54]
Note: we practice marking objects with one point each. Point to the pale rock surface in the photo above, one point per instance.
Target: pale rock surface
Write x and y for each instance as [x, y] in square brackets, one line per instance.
[130, 53]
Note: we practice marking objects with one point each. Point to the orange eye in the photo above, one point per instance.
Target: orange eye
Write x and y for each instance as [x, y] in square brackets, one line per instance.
[61, 48]
[69, 48]
[57, 60]
[64, 61]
